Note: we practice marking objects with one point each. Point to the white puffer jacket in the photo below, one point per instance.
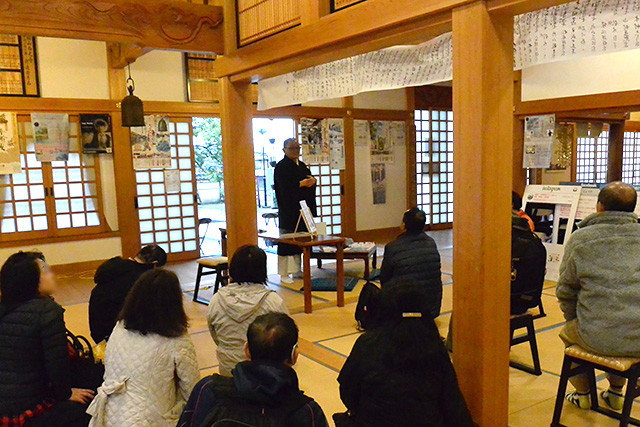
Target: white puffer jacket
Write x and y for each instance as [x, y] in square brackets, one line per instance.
[231, 311]
[147, 380]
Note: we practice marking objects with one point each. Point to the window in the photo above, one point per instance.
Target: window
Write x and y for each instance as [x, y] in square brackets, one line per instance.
[592, 158]
[631, 158]
[168, 218]
[51, 199]
[328, 197]
[434, 165]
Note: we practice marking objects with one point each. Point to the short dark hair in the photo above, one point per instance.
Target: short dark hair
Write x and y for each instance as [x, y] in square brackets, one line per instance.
[516, 201]
[272, 337]
[248, 265]
[414, 220]
[153, 254]
[20, 278]
[288, 141]
[154, 305]
[617, 196]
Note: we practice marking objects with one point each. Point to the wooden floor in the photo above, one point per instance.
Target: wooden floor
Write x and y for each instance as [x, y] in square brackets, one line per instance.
[327, 335]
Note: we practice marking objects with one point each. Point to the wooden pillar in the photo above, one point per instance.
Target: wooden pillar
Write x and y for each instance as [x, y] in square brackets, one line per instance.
[239, 164]
[616, 142]
[125, 177]
[483, 156]
[412, 190]
[349, 226]
[519, 173]
[312, 10]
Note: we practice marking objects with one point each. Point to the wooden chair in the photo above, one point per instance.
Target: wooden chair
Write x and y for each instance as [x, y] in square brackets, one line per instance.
[219, 265]
[577, 361]
[525, 321]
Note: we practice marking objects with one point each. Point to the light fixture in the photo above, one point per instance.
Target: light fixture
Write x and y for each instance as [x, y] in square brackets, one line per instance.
[131, 106]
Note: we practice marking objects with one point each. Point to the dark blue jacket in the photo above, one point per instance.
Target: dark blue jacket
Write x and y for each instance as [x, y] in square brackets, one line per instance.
[414, 257]
[263, 386]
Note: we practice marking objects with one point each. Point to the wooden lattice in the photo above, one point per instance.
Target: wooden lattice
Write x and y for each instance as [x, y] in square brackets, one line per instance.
[258, 19]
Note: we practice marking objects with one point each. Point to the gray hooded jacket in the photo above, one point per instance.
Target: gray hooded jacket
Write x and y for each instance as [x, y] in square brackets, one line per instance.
[231, 311]
[599, 282]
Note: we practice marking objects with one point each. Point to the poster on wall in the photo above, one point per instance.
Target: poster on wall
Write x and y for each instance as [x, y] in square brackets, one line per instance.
[172, 180]
[379, 183]
[9, 144]
[397, 133]
[314, 141]
[51, 135]
[381, 144]
[150, 145]
[562, 147]
[97, 136]
[538, 140]
[335, 131]
[361, 134]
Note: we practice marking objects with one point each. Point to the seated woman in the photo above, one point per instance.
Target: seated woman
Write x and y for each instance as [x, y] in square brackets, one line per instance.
[150, 361]
[235, 306]
[35, 380]
[399, 374]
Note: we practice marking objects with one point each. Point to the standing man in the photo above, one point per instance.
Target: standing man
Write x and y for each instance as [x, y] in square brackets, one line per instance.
[293, 183]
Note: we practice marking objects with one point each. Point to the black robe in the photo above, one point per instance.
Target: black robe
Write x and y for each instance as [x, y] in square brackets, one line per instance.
[287, 177]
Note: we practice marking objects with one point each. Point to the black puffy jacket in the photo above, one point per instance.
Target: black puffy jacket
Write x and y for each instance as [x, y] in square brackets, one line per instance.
[379, 395]
[415, 257]
[34, 357]
[114, 279]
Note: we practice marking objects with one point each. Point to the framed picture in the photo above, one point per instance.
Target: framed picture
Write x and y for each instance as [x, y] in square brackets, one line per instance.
[18, 66]
[97, 135]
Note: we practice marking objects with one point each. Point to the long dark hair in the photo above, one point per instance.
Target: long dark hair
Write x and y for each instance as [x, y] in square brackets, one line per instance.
[20, 278]
[409, 334]
[154, 305]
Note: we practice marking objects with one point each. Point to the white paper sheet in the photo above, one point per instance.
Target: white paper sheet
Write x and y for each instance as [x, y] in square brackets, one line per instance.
[538, 140]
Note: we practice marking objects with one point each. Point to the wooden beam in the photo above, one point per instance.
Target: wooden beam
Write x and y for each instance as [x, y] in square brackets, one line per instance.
[158, 24]
[613, 102]
[230, 24]
[239, 165]
[125, 53]
[313, 10]
[364, 27]
[616, 142]
[483, 121]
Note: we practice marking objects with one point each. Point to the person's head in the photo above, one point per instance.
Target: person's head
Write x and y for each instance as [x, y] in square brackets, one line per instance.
[248, 265]
[414, 220]
[273, 337]
[617, 196]
[516, 201]
[291, 148]
[154, 305]
[152, 255]
[25, 276]
[404, 316]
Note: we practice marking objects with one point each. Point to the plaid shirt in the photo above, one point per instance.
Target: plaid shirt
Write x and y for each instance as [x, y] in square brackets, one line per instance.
[18, 421]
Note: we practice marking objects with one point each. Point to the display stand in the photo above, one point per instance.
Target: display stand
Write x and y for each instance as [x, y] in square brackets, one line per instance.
[564, 199]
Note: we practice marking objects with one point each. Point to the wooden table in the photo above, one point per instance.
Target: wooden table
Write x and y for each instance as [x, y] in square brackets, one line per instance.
[350, 254]
[306, 243]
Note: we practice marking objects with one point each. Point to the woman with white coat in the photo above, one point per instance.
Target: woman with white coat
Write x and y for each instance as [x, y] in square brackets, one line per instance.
[235, 306]
[150, 361]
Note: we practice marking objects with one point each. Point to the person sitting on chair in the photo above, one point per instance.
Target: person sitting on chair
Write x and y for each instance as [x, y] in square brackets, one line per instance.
[264, 390]
[599, 287]
[414, 255]
[114, 279]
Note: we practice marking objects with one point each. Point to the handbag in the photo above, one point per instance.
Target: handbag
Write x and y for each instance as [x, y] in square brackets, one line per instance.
[86, 371]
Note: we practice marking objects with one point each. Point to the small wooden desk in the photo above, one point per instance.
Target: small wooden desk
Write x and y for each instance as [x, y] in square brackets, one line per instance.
[350, 254]
[306, 243]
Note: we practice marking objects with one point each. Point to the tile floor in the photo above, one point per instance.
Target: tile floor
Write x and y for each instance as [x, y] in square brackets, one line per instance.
[327, 335]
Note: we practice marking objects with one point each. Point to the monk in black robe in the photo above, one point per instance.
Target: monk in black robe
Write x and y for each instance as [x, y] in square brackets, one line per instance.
[293, 183]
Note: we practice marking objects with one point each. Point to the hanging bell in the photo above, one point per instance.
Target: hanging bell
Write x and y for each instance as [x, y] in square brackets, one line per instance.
[131, 108]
